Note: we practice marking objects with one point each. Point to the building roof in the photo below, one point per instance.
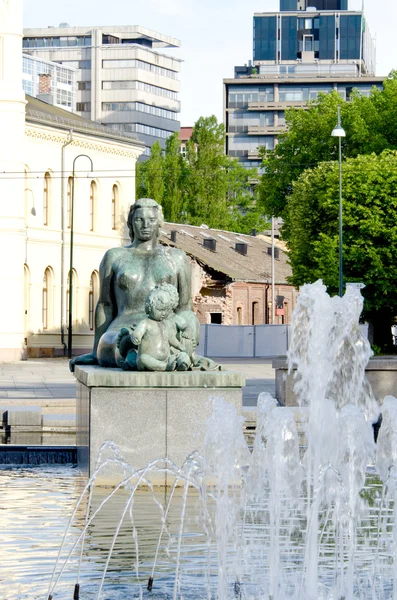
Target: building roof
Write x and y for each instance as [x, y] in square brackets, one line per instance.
[41, 112]
[255, 266]
[159, 40]
[185, 133]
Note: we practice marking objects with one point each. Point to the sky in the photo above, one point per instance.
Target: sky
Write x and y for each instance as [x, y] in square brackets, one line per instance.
[215, 36]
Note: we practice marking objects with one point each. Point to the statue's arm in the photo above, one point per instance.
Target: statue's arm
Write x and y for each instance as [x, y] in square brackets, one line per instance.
[104, 312]
[184, 282]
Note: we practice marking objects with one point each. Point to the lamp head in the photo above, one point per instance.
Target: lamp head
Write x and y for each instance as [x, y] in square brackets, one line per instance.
[338, 131]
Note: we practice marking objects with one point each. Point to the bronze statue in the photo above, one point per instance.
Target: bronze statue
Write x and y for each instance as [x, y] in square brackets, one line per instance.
[128, 276]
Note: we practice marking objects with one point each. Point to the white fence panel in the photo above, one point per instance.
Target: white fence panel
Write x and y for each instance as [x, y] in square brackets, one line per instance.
[230, 341]
[201, 349]
[271, 340]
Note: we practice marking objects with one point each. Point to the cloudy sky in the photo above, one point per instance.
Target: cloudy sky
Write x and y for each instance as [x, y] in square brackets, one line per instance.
[215, 36]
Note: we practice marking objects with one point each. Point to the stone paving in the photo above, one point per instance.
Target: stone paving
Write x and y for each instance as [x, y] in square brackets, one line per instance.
[49, 385]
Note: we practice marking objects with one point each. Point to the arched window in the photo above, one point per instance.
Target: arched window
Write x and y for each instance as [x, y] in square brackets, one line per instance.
[74, 298]
[239, 315]
[93, 195]
[46, 299]
[115, 198]
[255, 313]
[26, 296]
[69, 203]
[46, 198]
[93, 298]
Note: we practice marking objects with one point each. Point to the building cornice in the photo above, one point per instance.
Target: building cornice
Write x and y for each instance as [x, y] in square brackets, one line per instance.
[57, 137]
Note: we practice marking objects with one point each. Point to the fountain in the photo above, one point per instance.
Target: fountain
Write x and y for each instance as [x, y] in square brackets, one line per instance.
[285, 520]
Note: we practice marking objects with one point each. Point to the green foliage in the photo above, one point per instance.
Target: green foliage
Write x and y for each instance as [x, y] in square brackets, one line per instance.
[155, 174]
[369, 123]
[369, 231]
[206, 187]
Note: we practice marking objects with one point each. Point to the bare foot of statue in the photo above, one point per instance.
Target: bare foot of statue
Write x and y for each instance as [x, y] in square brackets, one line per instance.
[84, 359]
[124, 343]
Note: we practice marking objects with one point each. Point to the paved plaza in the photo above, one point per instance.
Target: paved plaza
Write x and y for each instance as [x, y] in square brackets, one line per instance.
[49, 385]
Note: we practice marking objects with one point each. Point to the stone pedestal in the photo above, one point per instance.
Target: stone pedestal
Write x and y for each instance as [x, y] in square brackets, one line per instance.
[148, 415]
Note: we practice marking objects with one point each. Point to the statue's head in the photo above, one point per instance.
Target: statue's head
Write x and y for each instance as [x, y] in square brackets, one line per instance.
[161, 301]
[145, 219]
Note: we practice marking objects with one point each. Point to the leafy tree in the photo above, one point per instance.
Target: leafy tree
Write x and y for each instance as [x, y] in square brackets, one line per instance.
[369, 125]
[173, 179]
[369, 232]
[155, 174]
[207, 177]
[206, 187]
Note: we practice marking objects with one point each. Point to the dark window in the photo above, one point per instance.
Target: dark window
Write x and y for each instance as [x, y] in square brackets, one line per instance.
[216, 318]
[350, 33]
[84, 85]
[265, 38]
[289, 38]
[327, 37]
[288, 4]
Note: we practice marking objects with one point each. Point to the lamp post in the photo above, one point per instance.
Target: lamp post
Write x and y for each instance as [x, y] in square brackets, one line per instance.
[70, 326]
[339, 132]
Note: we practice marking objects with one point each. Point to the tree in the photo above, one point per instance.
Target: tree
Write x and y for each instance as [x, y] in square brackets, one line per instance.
[173, 179]
[369, 125]
[154, 174]
[207, 174]
[369, 232]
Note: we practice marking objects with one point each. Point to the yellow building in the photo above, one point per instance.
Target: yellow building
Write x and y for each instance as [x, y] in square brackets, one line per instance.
[39, 145]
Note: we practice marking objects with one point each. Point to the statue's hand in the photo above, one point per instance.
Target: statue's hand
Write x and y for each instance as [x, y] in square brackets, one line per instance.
[83, 359]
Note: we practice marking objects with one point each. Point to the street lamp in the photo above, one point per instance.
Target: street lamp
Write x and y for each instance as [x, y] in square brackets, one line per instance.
[70, 331]
[339, 132]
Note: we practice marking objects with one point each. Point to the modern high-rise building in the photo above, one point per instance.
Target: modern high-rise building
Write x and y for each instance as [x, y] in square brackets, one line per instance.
[308, 47]
[124, 81]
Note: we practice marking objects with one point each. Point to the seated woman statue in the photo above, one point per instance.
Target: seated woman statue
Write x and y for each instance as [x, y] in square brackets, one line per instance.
[127, 276]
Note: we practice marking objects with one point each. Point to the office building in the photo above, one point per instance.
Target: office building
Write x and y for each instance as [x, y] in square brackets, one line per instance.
[310, 46]
[124, 80]
[52, 83]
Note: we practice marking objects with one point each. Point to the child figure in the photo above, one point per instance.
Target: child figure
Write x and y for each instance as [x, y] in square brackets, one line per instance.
[156, 337]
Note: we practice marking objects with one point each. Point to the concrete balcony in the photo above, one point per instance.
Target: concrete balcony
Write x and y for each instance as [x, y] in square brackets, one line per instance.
[276, 105]
[265, 130]
[253, 155]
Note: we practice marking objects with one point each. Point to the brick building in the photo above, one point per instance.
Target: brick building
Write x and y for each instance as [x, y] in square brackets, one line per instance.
[232, 275]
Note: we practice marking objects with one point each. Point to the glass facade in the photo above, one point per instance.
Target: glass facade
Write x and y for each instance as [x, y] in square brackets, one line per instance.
[319, 4]
[241, 146]
[350, 35]
[239, 122]
[140, 106]
[138, 64]
[327, 37]
[240, 96]
[62, 80]
[139, 128]
[302, 93]
[265, 38]
[57, 42]
[289, 38]
[139, 85]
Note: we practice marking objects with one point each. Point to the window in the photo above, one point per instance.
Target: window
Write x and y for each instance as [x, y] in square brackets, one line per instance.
[46, 198]
[216, 317]
[93, 194]
[255, 313]
[239, 315]
[139, 85]
[92, 299]
[139, 128]
[138, 64]
[84, 85]
[308, 43]
[83, 106]
[308, 23]
[115, 193]
[46, 298]
[69, 203]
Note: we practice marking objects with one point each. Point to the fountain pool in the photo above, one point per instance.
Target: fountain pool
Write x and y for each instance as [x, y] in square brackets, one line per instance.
[277, 521]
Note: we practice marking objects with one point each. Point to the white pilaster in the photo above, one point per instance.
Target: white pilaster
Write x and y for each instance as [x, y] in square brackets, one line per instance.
[12, 218]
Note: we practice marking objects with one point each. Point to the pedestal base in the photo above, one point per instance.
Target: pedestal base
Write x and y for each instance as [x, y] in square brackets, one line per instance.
[147, 415]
